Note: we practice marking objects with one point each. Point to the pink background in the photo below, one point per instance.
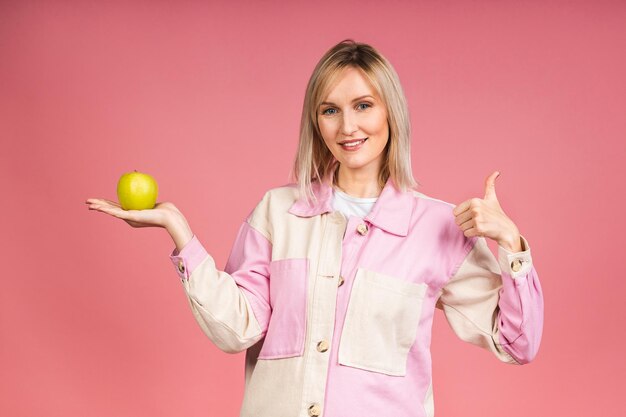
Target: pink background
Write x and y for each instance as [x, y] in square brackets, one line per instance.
[207, 98]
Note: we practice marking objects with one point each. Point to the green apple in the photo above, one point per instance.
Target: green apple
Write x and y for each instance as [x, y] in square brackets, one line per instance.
[137, 191]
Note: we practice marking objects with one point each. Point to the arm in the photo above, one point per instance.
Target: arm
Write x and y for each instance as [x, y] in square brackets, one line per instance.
[231, 306]
[495, 305]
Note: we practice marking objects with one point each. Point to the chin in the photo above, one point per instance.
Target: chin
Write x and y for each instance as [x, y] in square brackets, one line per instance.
[354, 165]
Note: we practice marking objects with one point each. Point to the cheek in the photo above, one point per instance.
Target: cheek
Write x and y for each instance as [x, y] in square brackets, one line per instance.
[325, 132]
[382, 124]
[326, 127]
[377, 124]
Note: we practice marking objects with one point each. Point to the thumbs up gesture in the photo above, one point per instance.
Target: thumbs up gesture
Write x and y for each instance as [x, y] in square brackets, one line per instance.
[484, 217]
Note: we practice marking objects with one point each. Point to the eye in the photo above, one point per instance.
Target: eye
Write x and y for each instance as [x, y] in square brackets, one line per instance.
[367, 105]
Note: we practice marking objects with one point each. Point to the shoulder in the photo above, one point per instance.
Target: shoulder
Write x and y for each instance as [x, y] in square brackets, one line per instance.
[437, 216]
[287, 193]
[435, 211]
[271, 208]
[439, 213]
[275, 200]
[432, 205]
[280, 198]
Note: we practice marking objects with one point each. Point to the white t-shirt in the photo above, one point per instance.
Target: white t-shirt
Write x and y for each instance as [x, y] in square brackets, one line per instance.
[352, 206]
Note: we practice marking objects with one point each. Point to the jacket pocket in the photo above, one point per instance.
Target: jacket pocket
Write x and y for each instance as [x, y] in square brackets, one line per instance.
[381, 323]
[287, 326]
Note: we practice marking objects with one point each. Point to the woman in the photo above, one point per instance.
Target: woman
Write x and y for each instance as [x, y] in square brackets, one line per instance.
[333, 280]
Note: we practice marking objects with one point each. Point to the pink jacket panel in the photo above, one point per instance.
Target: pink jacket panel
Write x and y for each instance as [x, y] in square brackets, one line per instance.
[327, 306]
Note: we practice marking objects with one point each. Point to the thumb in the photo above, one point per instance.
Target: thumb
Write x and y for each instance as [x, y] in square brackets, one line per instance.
[490, 186]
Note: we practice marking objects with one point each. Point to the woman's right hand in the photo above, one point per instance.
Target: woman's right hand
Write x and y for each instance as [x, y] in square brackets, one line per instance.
[160, 216]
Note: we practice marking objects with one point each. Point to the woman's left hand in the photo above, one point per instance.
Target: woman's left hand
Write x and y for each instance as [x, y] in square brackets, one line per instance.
[485, 217]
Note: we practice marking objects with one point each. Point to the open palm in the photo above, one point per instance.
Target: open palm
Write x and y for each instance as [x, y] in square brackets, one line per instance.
[155, 217]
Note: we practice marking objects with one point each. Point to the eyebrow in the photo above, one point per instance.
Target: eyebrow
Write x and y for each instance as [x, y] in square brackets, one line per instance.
[356, 99]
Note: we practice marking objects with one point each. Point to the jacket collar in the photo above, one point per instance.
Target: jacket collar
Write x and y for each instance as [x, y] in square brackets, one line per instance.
[391, 211]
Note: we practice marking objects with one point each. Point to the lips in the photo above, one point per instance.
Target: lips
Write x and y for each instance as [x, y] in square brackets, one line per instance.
[352, 144]
[343, 142]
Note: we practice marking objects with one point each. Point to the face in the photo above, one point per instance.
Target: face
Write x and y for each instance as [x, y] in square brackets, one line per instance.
[353, 122]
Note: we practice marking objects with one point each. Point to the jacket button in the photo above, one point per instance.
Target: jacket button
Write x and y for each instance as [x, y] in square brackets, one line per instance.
[181, 267]
[516, 265]
[322, 346]
[362, 228]
[340, 281]
[315, 410]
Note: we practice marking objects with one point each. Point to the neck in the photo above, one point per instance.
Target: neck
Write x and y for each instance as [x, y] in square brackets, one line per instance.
[358, 184]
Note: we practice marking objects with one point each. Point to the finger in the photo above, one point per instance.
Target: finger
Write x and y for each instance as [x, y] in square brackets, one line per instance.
[463, 217]
[113, 203]
[490, 186]
[95, 206]
[106, 202]
[471, 232]
[471, 228]
[467, 224]
[113, 211]
[95, 201]
[461, 207]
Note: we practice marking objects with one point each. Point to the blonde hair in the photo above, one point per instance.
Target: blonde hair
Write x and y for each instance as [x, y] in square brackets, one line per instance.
[314, 161]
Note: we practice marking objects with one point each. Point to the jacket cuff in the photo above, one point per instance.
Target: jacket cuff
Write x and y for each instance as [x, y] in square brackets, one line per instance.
[189, 257]
[515, 264]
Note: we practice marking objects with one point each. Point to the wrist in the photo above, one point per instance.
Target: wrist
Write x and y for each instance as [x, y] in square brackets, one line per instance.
[512, 243]
[179, 230]
[174, 220]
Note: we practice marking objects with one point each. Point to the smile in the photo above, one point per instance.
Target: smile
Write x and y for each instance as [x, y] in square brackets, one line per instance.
[353, 145]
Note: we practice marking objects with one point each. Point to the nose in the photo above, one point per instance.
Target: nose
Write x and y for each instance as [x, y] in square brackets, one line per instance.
[348, 125]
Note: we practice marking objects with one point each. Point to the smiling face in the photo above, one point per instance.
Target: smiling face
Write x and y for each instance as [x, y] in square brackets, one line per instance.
[353, 122]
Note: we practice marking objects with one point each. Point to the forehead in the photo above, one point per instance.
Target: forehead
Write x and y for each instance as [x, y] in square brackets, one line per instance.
[347, 84]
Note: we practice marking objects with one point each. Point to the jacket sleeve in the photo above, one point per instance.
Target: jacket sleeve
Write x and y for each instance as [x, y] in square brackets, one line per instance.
[231, 306]
[496, 304]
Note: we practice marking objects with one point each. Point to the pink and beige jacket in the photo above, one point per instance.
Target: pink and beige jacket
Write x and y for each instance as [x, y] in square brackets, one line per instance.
[335, 314]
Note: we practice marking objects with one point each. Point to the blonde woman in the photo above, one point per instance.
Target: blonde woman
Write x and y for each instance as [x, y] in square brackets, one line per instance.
[333, 279]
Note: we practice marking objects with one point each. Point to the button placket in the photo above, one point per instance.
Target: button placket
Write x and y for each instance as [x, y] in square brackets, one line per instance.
[322, 317]
[351, 244]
